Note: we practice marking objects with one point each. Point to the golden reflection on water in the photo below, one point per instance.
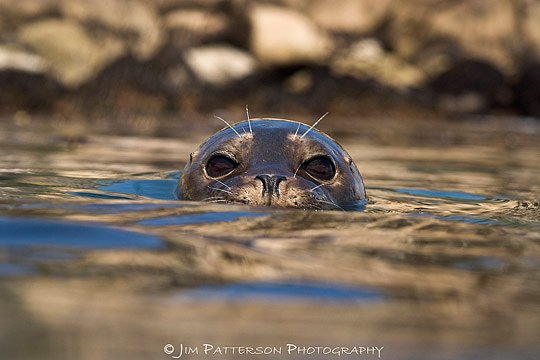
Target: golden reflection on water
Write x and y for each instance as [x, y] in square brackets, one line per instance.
[449, 240]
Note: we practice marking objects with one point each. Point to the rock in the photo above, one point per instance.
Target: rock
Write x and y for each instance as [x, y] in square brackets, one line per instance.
[164, 5]
[531, 28]
[199, 22]
[527, 90]
[12, 58]
[466, 103]
[469, 86]
[367, 60]
[220, 64]
[350, 16]
[283, 36]
[450, 31]
[25, 9]
[299, 83]
[30, 91]
[137, 20]
[191, 27]
[71, 54]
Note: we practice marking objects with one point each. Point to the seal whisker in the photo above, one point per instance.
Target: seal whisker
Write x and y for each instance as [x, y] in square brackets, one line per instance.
[229, 125]
[331, 203]
[222, 183]
[296, 171]
[296, 132]
[218, 189]
[312, 126]
[212, 198]
[217, 201]
[225, 201]
[249, 120]
[316, 187]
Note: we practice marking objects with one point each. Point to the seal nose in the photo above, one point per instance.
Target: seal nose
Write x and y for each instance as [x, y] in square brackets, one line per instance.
[270, 184]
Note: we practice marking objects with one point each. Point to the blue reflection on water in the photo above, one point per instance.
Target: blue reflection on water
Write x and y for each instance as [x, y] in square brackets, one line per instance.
[122, 207]
[359, 205]
[284, 292]
[480, 263]
[154, 189]
[452, 195]
[93, 195]
[468, 219]
[458, 218]
[203, 218]
[16, 232]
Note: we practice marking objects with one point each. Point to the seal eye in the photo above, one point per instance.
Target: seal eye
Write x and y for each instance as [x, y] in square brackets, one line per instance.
[220, 165]
[320, 167]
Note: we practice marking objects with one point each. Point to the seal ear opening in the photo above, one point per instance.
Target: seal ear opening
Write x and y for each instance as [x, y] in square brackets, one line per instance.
[191, 157]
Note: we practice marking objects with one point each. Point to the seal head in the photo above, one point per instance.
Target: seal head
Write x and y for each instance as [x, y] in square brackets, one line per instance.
[272, 162]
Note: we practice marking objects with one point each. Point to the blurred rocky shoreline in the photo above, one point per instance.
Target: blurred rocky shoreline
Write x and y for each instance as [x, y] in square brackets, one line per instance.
[346, 56]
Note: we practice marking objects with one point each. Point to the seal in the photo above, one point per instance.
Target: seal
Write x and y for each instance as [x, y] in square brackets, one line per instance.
[272, 162]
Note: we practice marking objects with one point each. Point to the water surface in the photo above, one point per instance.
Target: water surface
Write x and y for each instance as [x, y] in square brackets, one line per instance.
[443, 262]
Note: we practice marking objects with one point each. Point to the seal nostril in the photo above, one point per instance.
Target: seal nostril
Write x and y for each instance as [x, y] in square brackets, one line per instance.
[270, 184]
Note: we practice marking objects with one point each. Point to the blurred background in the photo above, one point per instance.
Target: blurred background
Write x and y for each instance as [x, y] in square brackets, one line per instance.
[184, 57]
[102, 101]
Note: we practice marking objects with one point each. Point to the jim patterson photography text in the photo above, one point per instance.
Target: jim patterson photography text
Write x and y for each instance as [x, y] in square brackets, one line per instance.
[180, 350]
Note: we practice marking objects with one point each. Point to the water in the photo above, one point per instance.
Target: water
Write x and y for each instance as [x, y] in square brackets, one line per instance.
[99, 260]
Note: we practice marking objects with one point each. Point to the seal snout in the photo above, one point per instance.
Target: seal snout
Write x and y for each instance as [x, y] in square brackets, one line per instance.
[270, 185]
